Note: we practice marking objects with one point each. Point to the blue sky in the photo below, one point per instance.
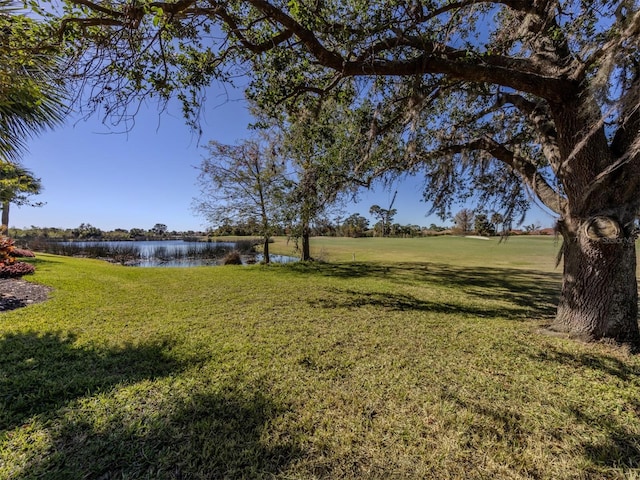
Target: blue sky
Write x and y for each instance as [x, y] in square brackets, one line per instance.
[148, 175]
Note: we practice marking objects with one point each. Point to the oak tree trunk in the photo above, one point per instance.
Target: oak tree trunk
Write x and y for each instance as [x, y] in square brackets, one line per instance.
[599, 297]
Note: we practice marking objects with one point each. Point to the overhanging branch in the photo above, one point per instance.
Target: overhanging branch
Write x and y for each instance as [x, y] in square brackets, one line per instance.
[551, 198]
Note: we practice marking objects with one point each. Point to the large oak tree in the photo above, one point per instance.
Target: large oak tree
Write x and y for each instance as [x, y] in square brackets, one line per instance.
[496, 99]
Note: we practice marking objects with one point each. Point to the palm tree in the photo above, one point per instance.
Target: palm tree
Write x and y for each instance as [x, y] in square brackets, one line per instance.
[16, 185]
[31, 94]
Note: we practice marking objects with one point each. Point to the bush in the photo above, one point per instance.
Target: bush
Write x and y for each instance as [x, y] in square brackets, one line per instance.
[247, 246]
[9, 268]
[7, 249]
[232, 258]
[17, 269]
[22, 252]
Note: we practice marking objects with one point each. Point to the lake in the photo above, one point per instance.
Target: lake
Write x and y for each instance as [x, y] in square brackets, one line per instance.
[161, 253]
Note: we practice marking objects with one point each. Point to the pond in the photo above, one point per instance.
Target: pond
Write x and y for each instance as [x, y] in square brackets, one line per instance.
[160, 253]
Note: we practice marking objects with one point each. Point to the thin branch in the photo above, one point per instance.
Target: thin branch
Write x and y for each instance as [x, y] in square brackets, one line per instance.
[551, 198]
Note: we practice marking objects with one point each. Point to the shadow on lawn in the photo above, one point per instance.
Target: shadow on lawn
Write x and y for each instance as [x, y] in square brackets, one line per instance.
[403, 302]
[200, 436]
[43, 372]
[618, 447]
[102, 420]
[528, 290]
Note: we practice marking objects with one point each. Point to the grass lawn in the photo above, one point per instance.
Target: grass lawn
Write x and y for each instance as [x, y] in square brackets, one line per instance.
[421, 359]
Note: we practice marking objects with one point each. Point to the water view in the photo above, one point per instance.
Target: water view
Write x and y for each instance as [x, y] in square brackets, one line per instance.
[162, 253]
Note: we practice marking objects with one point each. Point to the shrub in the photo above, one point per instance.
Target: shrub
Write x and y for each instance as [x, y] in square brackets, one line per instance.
[9, 268]
[22, 252]
[247, 246]
[17, 269]
[232, 258]
[6, 251]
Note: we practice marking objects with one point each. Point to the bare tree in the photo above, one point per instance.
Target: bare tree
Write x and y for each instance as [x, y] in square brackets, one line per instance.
[240, 182]
[464, 221]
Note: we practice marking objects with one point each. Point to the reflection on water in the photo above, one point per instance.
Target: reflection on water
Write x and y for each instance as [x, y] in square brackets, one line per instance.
[158, 253]
[246, 260]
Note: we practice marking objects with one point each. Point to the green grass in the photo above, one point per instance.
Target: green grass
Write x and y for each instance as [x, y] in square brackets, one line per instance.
[398, 365]
[529, 252]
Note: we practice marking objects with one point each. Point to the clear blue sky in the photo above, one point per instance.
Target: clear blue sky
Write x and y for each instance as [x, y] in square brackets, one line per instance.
[148, 175]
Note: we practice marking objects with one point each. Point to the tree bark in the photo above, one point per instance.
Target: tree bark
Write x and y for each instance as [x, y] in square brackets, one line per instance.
[306, 248]
[266, 250]
[5, 215]
[599, 297]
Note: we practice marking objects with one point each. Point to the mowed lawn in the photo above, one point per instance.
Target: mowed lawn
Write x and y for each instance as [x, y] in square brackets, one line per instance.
[420, 359]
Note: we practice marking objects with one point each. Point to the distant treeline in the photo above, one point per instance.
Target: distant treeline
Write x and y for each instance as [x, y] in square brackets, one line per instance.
[354, 225]
[87, 231]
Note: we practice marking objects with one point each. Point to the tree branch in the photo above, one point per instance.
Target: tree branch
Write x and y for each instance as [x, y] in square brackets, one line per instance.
[521, 74]
[540, 118]
[96, 8]
[527, 170]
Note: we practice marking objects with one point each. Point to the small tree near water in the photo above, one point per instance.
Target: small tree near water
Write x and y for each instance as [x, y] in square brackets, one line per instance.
[240, 182]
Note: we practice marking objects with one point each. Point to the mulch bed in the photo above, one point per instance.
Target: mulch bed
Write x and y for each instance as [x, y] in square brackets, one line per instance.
[16, 293]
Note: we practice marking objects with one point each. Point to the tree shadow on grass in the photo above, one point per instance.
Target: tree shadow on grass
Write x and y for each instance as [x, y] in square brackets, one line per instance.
[201, 436]
[612, 366]
[618, 446]
[114, 413]
[534, 291]
[611, 448]
[43, 372]
[403, 302]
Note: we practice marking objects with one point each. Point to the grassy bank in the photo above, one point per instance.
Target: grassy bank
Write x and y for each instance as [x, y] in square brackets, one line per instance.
[409, 366]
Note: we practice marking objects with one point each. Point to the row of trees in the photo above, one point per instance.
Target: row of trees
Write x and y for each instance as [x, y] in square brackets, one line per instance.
[354, 225]
[480, 222]
[500, 101]
[86, 231]
[278, 184]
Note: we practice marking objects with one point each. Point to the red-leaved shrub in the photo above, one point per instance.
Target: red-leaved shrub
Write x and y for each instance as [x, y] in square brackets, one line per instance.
[6, 251]
[9, 268]
[22, 252]
[16, 269]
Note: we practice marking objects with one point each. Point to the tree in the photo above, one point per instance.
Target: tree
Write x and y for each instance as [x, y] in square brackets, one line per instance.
[16, 186]
[384, 216]
[31, 93]
[315, 141]
[482, 225]
[463, 221]
[355, 225]
[86, 231]
[159, 229]
[499, 224]
[242, 182]
[495, 100]
[136, 233]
